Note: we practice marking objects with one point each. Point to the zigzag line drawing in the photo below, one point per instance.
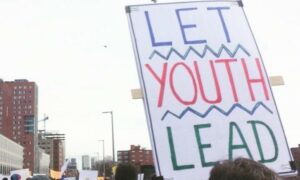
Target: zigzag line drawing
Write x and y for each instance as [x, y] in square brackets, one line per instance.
[213, 107]
[201, 55]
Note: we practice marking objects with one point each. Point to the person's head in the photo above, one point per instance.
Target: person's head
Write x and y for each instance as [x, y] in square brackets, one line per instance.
[241, 169]
[5, 178]
[15, 177]
[126, 172]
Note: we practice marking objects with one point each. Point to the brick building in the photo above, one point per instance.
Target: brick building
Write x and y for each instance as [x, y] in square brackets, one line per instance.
[18, 117]
[54, 145]
[296, 155]
[136, 155]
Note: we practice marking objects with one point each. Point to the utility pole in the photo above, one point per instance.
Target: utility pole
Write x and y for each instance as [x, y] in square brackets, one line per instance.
[112, 134]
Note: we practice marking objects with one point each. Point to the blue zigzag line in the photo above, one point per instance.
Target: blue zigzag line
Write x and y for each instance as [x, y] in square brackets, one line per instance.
[205, 50]
[225, 113]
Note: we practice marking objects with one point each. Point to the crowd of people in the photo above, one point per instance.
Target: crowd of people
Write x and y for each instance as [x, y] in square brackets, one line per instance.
[18, 177]
[238, 169]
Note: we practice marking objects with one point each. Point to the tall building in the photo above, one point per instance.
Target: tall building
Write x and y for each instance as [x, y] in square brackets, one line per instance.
[72, 170]
[136, 155]
[18, 117]
[85, 162]
[11, 155]
[93, 162]
[54, 145]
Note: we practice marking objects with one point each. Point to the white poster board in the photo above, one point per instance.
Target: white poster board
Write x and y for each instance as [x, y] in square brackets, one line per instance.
[70, 178]
[206, 92]
[3, 176]
[88, 175]
[140, 176]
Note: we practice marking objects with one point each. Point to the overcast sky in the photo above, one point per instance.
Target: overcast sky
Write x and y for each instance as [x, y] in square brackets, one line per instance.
[79, 53]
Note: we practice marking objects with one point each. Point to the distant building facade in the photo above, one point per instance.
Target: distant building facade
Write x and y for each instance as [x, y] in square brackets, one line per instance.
[44, 162]
[11, 155]
[72, 170]
[85, 162]
[18, 117]
[136, 155]
[93, 162]
[54, 145]
[296, 156]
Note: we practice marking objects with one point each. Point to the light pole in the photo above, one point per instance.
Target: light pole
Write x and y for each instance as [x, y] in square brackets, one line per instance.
[112, 133]
[103, 154]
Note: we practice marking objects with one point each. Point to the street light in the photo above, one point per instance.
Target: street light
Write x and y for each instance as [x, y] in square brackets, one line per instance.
[103, 154]
[112, 133]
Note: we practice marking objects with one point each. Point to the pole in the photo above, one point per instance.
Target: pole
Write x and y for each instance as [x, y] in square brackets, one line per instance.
[112, 134]
[103, 154]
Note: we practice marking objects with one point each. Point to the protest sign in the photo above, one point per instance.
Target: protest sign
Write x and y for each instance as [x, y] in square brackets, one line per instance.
[88, 175]
[3, 176]
[206, 92]
[140, 176]
[70, 178]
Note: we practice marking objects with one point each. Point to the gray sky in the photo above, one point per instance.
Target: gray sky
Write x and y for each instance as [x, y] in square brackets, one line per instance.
[80, 55]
